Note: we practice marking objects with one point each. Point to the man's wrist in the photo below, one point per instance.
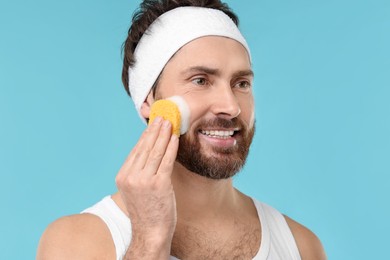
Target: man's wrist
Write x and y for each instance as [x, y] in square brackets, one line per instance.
[156, 245]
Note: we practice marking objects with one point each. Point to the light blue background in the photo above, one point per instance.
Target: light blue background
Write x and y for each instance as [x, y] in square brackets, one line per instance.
[321, 153]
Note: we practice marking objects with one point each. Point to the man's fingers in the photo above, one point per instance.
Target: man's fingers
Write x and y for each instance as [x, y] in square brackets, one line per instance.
[136, 160]
[159, 150]
[166, 165]
[142, 152]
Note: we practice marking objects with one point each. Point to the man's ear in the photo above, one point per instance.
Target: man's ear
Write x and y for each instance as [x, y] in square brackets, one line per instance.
[145, 107]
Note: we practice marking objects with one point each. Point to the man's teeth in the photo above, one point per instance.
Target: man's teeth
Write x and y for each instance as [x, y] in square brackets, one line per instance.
[218, 134]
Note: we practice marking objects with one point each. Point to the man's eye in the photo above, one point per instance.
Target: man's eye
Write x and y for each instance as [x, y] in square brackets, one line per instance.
[200, 81]
[243, 84]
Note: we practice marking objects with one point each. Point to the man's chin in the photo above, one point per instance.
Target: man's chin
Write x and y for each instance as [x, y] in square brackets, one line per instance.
[213, 159]
[216, 167]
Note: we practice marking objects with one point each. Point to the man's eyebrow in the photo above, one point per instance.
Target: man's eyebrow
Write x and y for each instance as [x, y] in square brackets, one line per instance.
[212, 71]
[201, 69]
[244, 73]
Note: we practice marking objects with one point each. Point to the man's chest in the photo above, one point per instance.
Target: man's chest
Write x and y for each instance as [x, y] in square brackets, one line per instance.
[238, 242]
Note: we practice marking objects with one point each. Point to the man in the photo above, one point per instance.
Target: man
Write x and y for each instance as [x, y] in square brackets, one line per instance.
[176, 198]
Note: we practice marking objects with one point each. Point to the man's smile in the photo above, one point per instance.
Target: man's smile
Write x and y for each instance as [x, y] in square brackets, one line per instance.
[219, 138]
[223, 134]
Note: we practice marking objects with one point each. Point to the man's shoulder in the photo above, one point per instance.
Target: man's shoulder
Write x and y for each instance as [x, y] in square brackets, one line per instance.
[308, 243]
[80, 236]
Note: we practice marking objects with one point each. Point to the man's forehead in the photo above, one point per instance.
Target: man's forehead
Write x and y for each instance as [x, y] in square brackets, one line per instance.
[210, 54]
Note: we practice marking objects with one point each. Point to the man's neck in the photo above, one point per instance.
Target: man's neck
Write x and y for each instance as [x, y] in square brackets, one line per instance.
[214, 220]
[201, 197]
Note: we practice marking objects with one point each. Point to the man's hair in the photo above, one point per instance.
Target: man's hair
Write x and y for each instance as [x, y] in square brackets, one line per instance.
[147, 13]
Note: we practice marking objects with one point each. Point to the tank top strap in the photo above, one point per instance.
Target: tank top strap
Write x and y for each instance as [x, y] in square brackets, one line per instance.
[117, 222]
[279, 242]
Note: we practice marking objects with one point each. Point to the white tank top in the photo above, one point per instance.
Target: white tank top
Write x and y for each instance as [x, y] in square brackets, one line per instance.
[277, 241]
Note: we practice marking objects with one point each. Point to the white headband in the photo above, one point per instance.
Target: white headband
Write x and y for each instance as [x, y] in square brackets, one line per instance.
[166, 35]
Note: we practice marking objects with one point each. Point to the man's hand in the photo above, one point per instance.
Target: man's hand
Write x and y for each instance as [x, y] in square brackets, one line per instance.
[144, 182]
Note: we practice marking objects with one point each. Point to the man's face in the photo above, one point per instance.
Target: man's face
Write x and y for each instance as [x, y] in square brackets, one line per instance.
[213, 74]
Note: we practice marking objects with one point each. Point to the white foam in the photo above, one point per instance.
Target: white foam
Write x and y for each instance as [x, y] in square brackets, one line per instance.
[184, 113]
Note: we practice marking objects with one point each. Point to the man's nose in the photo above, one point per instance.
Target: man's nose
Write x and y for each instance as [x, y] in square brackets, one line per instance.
[225, 103]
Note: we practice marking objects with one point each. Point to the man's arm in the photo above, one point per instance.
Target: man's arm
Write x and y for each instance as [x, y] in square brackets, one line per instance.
[309, 245]
[82, 236]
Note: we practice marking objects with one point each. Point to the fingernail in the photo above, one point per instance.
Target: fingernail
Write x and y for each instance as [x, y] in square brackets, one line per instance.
[174, 138]
[166, 124]
[157, 120]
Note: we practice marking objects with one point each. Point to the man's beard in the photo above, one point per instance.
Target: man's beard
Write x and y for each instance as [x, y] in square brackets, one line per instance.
[222, 163]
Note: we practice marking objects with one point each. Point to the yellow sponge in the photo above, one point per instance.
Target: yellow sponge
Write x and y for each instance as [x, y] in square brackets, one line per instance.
[169, 111]
[174, 109]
